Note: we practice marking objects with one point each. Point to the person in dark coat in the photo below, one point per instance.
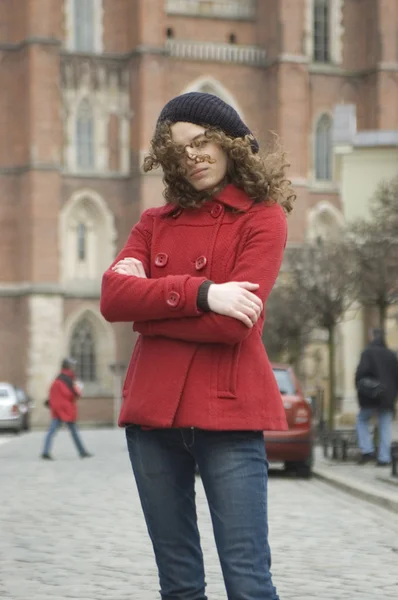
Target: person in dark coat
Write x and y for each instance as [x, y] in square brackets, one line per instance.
[381, 365]
[194, 277]
[63, 395]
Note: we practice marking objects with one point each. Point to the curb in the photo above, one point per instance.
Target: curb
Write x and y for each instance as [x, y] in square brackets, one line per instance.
[359, 490]
[389, 481]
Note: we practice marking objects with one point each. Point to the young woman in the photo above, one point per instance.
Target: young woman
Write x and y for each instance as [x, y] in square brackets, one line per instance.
[194, 276]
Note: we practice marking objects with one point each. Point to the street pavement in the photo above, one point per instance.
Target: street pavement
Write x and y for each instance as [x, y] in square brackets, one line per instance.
[369, 482]
[73, 529]
[375, 484]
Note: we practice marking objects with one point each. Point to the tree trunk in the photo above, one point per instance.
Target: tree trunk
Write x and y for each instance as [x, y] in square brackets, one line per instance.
[295, 352]
[382, 314]
[332, 397]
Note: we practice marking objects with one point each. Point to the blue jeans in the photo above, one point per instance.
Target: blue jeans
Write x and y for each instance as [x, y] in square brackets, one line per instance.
[234, 472]
[54, 426]
[365, 440]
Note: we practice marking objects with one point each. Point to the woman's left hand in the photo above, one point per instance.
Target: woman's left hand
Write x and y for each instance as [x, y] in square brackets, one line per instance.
[130, 266]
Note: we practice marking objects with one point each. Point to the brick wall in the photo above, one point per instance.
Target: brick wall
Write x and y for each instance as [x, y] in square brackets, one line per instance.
[96, 410]
[285, 97]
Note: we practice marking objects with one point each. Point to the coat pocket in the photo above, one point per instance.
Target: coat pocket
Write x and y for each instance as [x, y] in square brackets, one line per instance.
[228, 371]
[130, 370]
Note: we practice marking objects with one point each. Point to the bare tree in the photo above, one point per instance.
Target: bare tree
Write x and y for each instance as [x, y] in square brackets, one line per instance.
[375, 251]
[323, 273]
[384, 206]
[288, 324]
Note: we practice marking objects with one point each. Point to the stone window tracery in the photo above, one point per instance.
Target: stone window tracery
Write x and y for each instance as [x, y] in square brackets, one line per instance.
[83, 350]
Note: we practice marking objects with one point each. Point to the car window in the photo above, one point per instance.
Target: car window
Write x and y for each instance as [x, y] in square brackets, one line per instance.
[284, 381]
[4, 393]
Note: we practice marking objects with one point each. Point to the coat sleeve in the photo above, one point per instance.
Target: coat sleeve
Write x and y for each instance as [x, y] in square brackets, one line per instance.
[363, 367]
[127, 298]
[259, 262]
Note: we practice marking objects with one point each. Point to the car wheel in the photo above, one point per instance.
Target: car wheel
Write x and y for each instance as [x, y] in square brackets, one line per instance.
[301, 468]
[304, 469]
[26, 423]
[290, 467]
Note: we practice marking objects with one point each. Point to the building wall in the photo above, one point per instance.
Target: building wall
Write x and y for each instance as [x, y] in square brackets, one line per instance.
[143, 55]
[362, 169]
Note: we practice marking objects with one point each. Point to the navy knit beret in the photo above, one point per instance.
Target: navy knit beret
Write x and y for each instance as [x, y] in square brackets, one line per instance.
[206, 109]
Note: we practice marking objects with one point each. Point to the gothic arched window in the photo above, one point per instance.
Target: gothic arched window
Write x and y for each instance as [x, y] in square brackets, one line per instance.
[84, 24]
[323, 149]
[81, 241]
[321, 31]
[83, 350]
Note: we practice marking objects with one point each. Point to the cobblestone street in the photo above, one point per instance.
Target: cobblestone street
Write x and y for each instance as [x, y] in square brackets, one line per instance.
[74, 529]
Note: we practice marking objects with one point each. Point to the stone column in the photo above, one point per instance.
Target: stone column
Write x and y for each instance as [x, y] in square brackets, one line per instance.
[45, 334]
[353, 343]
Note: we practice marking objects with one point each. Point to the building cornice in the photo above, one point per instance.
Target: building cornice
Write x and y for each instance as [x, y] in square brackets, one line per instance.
[30, 41]
[236, 10]
[21, 169]
[337, 71]
[301, 59]
[27, 289]
[12, 290]
[95, 175]
[376, 138]
[141, 50]
[207, 51]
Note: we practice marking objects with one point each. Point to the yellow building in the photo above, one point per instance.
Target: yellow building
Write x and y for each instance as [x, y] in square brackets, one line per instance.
[362, 160]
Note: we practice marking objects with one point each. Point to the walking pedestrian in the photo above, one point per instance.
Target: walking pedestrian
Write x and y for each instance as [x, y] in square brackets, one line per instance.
[194, 276]
[62, 402]
[377, 386]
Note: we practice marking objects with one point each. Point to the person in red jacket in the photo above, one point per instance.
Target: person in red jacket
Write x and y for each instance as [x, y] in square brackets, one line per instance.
[194, 277]
[63, 395]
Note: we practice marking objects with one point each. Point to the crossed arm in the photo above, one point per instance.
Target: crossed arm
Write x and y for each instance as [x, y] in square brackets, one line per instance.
[257, 266]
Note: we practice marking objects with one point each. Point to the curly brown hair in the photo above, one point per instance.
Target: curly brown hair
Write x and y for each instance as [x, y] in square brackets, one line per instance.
[261, 175]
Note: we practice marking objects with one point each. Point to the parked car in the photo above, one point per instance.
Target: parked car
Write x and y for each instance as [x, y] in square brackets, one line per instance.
[293, 447]
[15, 408]
[26, 406]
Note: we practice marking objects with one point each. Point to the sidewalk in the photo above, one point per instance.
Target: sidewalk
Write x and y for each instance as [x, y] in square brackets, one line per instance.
[368, 482]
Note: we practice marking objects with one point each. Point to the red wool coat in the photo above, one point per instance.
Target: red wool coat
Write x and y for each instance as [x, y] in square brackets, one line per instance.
[189, 368]
[62, 399]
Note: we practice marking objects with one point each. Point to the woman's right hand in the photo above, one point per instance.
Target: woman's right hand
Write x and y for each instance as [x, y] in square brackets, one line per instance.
[236, 299]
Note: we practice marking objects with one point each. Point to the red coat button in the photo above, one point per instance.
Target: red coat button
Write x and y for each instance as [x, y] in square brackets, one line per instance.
[173, 299]
[161, 260]
[200, 263]
[216, 211]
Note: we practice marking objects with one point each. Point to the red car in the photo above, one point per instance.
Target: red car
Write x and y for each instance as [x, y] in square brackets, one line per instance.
[293, 447]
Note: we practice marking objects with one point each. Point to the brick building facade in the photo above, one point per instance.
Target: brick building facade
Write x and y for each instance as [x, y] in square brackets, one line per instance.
[81, 85]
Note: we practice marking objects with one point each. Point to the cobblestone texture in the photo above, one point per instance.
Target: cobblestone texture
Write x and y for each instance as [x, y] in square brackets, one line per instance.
[73, 529]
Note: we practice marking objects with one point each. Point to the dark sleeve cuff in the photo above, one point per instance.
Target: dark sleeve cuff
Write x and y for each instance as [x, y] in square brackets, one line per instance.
[201, 300]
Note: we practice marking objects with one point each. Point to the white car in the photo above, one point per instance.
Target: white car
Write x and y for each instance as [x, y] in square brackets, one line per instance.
[11, 416]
